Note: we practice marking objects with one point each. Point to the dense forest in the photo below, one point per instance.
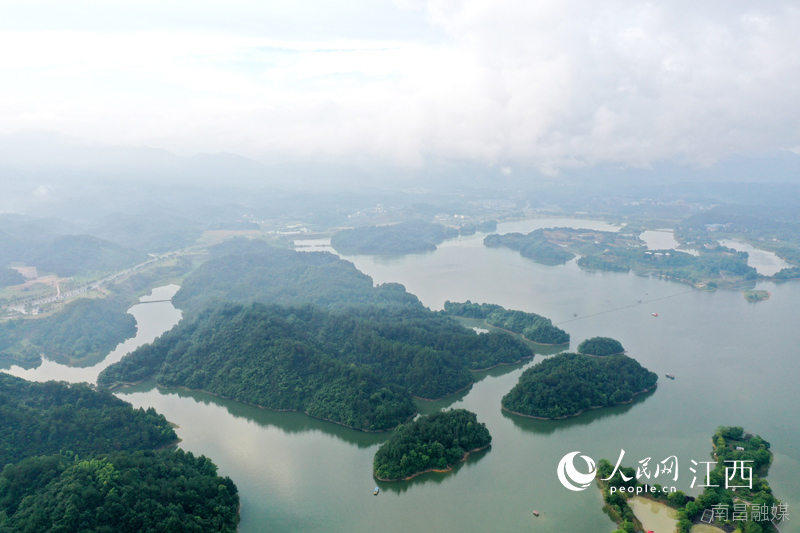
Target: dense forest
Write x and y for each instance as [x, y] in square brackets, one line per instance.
[9, 277]
[433, 442]
[534, 246]
[600, 346]
[54, 417]
[530, 325]
[729, 444]
[566, 384]
[72, 255]
[245, 271]
[77, 459]
[84, 328]
[141, 491]
[38, 242]
[403, 238]
[787, 273]
[358, 369]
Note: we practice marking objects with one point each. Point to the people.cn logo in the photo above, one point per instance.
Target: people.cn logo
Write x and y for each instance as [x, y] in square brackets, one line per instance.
[568, 474]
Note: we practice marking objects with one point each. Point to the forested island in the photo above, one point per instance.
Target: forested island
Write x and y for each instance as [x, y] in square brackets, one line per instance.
[355, 369]
[534, 245]
[623, 252]
[531, 326]
[430, 443]
[354, 355]
[81, 460]
[567, 384]
[728, 444]
[600, 346]
[403, 238]
[756, 295]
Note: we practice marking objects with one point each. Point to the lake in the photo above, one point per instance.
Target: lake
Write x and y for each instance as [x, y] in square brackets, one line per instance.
[735, 363]
[766, 263]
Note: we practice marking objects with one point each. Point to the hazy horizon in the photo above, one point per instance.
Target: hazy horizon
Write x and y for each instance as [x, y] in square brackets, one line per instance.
[546, 87]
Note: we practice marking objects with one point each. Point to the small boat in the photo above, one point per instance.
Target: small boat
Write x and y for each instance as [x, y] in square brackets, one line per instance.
[655, 314]
[376, 491]
[536, 513]
[574, 314]
[670, 376]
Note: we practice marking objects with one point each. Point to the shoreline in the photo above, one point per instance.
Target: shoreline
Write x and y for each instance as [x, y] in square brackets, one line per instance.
[462, 389]
[635, 394]
[502, 364]
[512, 333]
[125, 384]
[448, 469]
[623, 352]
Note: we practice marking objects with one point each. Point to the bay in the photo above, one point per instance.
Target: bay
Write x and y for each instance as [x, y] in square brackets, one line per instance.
[735, 364]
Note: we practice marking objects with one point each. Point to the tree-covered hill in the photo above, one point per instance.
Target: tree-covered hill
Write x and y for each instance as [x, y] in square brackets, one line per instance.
[355, 369]
[84, 328]
[77, 459]
[433, 442]
[566, 384]
[72, 255]
[530, 325]
[600, 346]
[142, 491]
[51, 417]
[247, 271]
[403, 238]
[9, 276]
[41, 243]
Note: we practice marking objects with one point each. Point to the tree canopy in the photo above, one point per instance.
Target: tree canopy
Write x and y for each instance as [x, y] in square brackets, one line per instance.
[403, 238]
[77, 459]
[433, 442]
[533, 327]
[600, 346]
[9, 276]
[84, 328]
[52, 417]
[141, 491]
[245, 271]
[568, 383]
[355, 369]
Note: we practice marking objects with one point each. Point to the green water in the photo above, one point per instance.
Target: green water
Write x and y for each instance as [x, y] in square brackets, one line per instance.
[735, 362]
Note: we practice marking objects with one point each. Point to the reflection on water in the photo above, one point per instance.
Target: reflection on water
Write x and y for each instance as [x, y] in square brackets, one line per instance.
[547, 427]
[662, 239]
[296, 473]
[399, 487]
[654, 516]
[290, 422]
[152, 319]
[765, 263]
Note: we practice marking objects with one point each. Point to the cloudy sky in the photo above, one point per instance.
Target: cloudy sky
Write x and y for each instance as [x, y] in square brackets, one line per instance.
[547, 83]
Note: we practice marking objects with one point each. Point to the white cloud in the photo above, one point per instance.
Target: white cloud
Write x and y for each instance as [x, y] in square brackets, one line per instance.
[549, 83]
